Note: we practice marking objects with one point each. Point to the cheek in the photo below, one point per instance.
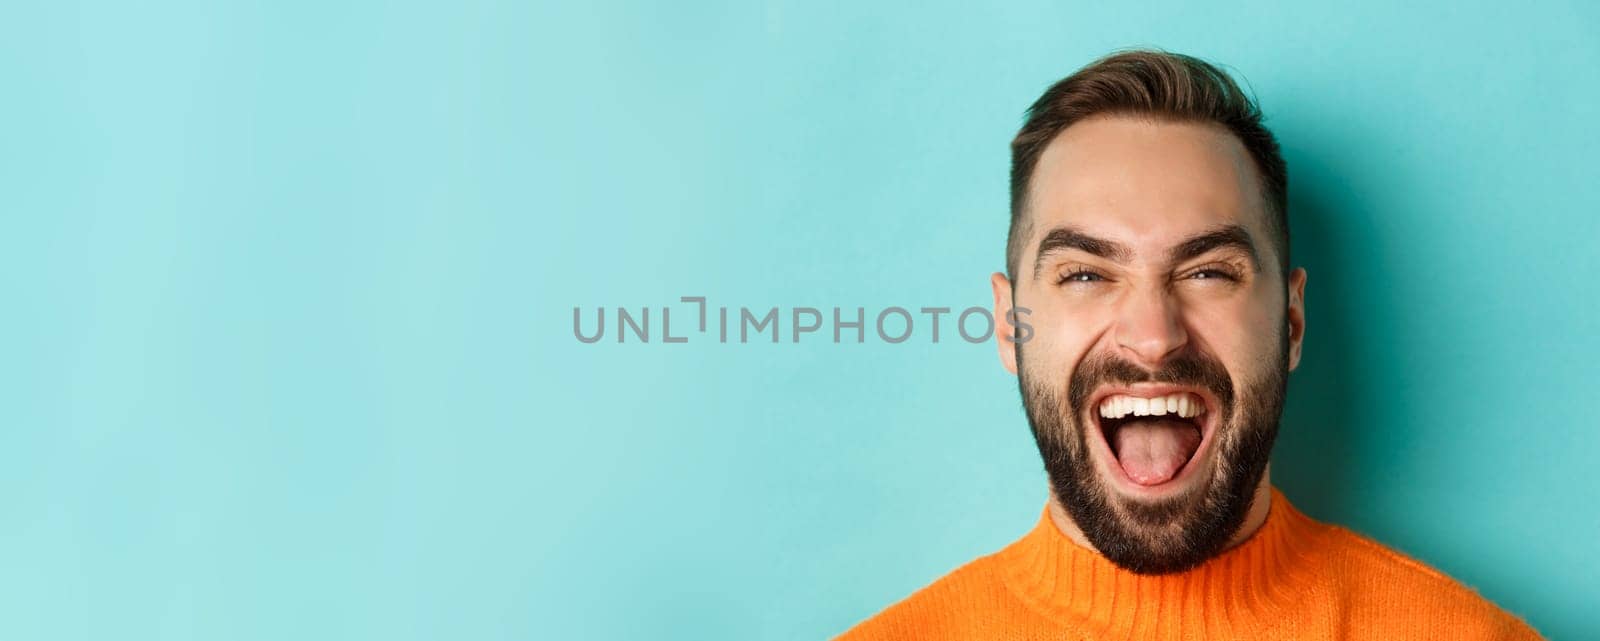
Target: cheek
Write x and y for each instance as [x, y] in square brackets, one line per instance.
[1242, 333]
[1062, 336]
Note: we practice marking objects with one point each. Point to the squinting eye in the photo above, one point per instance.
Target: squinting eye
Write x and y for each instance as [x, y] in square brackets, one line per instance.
[1212, 274]
[1081, 277]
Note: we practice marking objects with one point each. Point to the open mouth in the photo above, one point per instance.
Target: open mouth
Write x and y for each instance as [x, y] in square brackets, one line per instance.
[1154, 437]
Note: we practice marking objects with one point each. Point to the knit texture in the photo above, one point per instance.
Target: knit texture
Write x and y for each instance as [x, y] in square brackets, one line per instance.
[1294, 578]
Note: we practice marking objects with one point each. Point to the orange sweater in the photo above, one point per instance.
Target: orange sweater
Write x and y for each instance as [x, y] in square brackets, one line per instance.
[1294, 578]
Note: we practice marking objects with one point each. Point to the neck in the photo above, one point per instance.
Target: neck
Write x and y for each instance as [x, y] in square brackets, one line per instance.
[1260, 505]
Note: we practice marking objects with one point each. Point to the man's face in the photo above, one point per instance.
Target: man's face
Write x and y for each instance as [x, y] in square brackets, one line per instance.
[1163, 334]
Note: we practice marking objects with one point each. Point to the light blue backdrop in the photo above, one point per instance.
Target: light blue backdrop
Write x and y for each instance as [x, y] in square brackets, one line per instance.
[288, 291]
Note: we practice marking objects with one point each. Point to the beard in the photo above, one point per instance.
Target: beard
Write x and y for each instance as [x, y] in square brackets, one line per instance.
[1176, 533]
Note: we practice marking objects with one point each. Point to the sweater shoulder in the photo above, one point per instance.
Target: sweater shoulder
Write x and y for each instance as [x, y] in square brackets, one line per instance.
[1382, 581]
[954, 606]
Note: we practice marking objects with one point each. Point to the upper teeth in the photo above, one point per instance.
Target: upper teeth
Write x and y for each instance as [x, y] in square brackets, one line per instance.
[1183, 404]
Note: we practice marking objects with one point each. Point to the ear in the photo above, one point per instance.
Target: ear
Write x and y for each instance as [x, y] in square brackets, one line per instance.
[1297, 315]
[1005, 334]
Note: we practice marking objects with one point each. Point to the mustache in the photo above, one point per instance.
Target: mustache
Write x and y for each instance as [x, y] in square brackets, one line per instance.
[1190, 368]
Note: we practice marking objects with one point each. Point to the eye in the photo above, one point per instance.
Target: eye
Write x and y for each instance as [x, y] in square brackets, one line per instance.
[1082, 276]
[1213, 273]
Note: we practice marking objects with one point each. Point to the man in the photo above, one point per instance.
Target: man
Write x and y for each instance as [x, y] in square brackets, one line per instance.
[1149, 244]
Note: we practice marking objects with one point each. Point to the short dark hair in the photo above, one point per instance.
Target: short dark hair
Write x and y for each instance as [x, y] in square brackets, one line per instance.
[1152, 84]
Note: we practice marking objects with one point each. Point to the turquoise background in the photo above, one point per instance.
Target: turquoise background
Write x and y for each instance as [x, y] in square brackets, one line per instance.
[288, 296]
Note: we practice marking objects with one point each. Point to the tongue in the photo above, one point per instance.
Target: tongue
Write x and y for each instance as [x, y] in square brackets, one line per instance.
[1152, 450]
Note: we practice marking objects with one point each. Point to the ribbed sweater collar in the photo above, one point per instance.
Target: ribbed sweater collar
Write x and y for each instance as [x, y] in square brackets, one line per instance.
[1246, 588]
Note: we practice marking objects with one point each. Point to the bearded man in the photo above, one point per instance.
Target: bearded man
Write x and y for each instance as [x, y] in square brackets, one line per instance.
[1149, 246]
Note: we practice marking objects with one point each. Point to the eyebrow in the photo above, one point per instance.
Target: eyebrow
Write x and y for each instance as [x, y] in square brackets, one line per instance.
[1226, 236]
[1066, 238]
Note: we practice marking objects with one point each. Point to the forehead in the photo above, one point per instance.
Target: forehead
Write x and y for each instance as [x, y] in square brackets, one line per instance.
[1146, 183]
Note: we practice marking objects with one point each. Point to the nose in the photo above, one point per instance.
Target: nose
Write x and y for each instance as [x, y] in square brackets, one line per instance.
[1150, 327]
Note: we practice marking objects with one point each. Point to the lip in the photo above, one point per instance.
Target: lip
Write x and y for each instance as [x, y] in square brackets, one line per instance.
[1107, 461]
